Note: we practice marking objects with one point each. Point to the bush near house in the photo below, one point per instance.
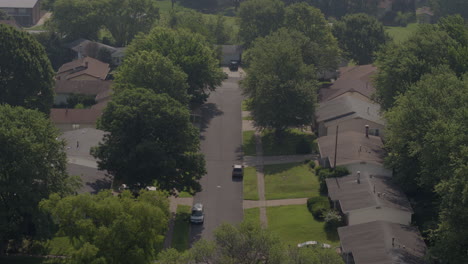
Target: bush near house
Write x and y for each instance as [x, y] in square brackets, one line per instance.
[324, 173]
[318, 206]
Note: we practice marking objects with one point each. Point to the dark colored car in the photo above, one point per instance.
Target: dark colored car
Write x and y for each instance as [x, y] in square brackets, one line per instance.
[234, 65]
[238, 171]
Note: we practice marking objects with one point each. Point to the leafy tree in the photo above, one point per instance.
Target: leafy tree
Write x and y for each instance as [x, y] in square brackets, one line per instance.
[360, 36]
[280, 85]
[259, 18]
[26, 77]
[105, 228]
[150, 141]
[33, 166]
[55, 50]
[401, 65]
[151, 70]
[126, 18]
[4, 15]
[247, 243]
[310, 21]
[191, 52]
[77, 18]
[450, 7]
[104, 55]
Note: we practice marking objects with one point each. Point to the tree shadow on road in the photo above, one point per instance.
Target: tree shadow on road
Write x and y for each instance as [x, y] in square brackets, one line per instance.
[208, 111]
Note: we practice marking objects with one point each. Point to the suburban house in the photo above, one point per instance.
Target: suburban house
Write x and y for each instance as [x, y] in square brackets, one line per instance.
[85, 68]
[368, 194]
[350, 113]
[352, 80]
[25, 12]
[230, 52]
[381, 242]
[64, 89]
[424, 15]
[87, 48]
[352, 147]
[81, 163]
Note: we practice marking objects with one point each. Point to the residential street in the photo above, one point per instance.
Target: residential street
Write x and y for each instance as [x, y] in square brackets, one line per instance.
[221, 144]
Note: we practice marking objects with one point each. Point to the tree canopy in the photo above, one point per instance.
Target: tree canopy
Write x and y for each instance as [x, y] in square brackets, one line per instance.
[26, 77]
[401, 65]
[33, 165]
[151, 70]
[244, 244]
[189, 51]
[449, 7]
[279, 84]
[426, 143]
[105, 228]
[150, 142]
[360, 36]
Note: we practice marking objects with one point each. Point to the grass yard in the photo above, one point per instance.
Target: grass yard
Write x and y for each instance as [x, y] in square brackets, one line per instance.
[294, 224]
[250, 184]
[252, 215]
[247, 118]
[166, 6]
[248, 143]
[185, 195]
[180, 239]
[400, 34]
[289, 144]
[291, 180]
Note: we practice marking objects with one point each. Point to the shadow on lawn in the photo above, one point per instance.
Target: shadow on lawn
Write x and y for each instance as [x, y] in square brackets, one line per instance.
[291, 142]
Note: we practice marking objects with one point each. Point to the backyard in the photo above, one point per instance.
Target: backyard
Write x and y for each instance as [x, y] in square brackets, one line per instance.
[400, 34]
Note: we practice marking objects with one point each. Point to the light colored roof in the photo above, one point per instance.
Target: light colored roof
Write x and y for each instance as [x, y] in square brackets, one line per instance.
[353, 147]
[371, 243]
[89, 87]
[17, 3]
[372, 190]
[348, 107]
[424, 10]
[86, 65]
[352, 79]
[231, 49]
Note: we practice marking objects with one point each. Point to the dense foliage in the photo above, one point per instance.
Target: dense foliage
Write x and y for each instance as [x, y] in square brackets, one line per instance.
[244, 244]
[360, 36]
[189, 51]
[26, 77]
[105, 228]
[33, 165]
[150, 141]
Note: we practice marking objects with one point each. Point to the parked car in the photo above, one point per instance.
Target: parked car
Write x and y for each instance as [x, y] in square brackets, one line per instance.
[197, 216]
[234, 65]
[237, 171]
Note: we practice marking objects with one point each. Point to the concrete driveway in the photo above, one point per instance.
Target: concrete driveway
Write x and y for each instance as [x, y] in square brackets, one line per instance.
[221, 143]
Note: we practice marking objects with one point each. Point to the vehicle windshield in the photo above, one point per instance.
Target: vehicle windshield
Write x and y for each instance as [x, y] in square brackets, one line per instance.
[237, 170]
[197, 213]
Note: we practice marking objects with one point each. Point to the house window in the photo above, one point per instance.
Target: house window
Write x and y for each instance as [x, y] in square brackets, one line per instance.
[22, 11]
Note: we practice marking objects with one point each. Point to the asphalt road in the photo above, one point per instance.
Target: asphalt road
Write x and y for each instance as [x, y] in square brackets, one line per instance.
[221, 143]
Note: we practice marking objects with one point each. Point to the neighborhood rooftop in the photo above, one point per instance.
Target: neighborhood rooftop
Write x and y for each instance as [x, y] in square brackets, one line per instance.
[17, 3]
[84, 66]
[89, 87]
[382, 242]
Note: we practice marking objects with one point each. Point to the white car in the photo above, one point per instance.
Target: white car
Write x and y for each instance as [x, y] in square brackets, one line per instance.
[197, 216]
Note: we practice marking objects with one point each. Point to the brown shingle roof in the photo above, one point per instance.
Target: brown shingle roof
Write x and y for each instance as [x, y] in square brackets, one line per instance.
[353, 147]
[352, 79]
[93, 87]
[371, 243]
[371, 191]
[86, 65]
[77, 116]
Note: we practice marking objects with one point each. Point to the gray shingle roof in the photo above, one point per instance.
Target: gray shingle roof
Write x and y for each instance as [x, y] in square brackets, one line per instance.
[18, 3]
[371, 243]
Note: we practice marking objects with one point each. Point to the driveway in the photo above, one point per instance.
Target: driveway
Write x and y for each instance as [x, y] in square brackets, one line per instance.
[221, 143]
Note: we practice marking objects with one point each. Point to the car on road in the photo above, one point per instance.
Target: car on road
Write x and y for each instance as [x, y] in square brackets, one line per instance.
[197, 216]
[237, 171]
[234, 65]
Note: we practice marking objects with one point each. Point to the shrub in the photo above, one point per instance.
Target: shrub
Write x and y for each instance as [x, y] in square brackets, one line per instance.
[312, 164]
[318, 169]
[332, 218]
[303, 147]
[318, 206]
[340, 171]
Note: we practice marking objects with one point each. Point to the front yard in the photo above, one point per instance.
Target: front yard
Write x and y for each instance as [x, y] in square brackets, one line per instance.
[250, 184]
[291, 180]
[180, 238]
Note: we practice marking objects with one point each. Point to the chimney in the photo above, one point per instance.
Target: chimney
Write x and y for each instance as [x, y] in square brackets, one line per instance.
[359, 177]
[367, 131]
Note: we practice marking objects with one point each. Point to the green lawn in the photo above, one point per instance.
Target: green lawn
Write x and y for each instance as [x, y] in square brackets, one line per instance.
[252, 214]
[247, 118]
[244, 105]
[248, 143]
[291, 180]
[288, 144]
[295, 224]
[166, 6]
[400, 34]
[250, 184]
[180, 238]
[185, 195]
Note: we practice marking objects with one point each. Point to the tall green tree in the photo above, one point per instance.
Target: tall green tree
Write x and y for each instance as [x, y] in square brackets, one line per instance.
[126, 18]
[191, 52]
[259, 18]
[401, 65]
[105, 228]
[244, 244]
[360, 36]
[54, 47]
[151, 70]
[33, 166]
[449, 7]
[310, 21]
[26, 77]
[150, 141]
[281, 87]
